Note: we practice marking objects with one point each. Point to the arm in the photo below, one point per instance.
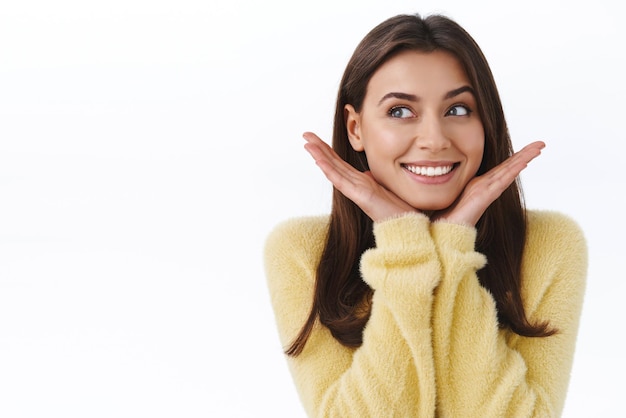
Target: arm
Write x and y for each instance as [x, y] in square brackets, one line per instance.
[393, 369]
[464, 316]
[483, 371]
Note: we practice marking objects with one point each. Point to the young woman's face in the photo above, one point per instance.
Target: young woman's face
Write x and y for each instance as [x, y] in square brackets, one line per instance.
[420, 129]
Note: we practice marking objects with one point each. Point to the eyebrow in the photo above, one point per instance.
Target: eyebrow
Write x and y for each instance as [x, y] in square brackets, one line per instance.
[401, 96]
[456, 92]
[414, 98]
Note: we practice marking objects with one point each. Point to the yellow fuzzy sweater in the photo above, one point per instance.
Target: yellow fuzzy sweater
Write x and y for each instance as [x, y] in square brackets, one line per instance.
[432, 346]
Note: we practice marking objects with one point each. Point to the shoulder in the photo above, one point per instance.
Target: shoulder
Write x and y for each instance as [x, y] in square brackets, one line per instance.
[555, 233]
[307, 233]
[292, 253]
[293, 248]
[555, 256]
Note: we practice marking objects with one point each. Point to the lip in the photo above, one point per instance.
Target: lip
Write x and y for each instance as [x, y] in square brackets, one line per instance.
[431, 179]
[429, 163]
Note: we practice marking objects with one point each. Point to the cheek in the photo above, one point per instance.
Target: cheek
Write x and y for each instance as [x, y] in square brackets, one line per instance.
[477, 152]
[384, 142]
[473, 146]
[382, 154]
[382, 149]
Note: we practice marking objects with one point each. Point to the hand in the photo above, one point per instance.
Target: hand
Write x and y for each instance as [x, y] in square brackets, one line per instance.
[483, 190]
[376, 201]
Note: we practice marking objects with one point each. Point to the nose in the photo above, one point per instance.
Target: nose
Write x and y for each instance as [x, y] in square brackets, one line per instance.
[431, 136]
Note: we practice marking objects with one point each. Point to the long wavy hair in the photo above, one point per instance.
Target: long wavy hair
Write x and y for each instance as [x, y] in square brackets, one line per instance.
[342, 300]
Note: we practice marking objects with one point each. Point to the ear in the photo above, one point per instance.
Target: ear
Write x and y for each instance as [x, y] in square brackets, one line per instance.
[353, 127]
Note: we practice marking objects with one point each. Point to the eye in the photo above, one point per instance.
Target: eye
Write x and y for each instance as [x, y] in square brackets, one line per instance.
[459, 110]
[401, 112]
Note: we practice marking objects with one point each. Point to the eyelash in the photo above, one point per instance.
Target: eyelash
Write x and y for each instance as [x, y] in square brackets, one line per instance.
[465, 107]
[393, 109]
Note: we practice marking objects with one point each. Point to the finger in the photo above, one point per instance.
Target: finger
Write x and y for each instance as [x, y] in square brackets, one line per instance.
[314, 142]
[320, 150]
[312, 138]
[342, 175]
[330, 162]
[360, 187]
[485, 189]
[492, 184]
[324, 154]
[508, 170]
[529, 152]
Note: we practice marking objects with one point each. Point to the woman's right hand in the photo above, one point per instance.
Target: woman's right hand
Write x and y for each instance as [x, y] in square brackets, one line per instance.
[377, 202]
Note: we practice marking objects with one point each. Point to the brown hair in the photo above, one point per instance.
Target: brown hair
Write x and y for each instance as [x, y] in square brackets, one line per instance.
[340, 294]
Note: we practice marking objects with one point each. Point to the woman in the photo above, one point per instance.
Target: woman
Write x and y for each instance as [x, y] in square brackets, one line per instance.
[429, 290]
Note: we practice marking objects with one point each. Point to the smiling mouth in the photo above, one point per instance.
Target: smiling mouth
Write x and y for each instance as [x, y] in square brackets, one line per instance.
[430, 171]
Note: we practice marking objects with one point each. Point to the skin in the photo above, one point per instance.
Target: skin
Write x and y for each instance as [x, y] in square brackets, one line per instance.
[419, 110]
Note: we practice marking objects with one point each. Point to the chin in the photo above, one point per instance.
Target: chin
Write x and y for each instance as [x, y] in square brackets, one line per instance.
[430, 207]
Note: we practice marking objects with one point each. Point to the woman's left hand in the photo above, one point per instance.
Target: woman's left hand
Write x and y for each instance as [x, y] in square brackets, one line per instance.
[483, 190]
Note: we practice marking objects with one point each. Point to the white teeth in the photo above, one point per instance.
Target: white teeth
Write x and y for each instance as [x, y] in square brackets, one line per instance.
[429, 171]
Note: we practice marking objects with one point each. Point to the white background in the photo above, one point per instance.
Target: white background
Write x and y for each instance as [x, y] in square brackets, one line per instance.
[148, 147]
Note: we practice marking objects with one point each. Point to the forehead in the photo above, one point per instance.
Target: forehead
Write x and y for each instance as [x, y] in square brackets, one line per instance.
[419, 73]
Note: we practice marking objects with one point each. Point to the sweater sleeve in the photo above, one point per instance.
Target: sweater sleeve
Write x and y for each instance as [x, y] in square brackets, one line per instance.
[484, 371]
[393, 369]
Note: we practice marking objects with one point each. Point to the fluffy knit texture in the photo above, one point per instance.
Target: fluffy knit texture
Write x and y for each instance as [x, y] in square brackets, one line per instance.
[432, 346]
